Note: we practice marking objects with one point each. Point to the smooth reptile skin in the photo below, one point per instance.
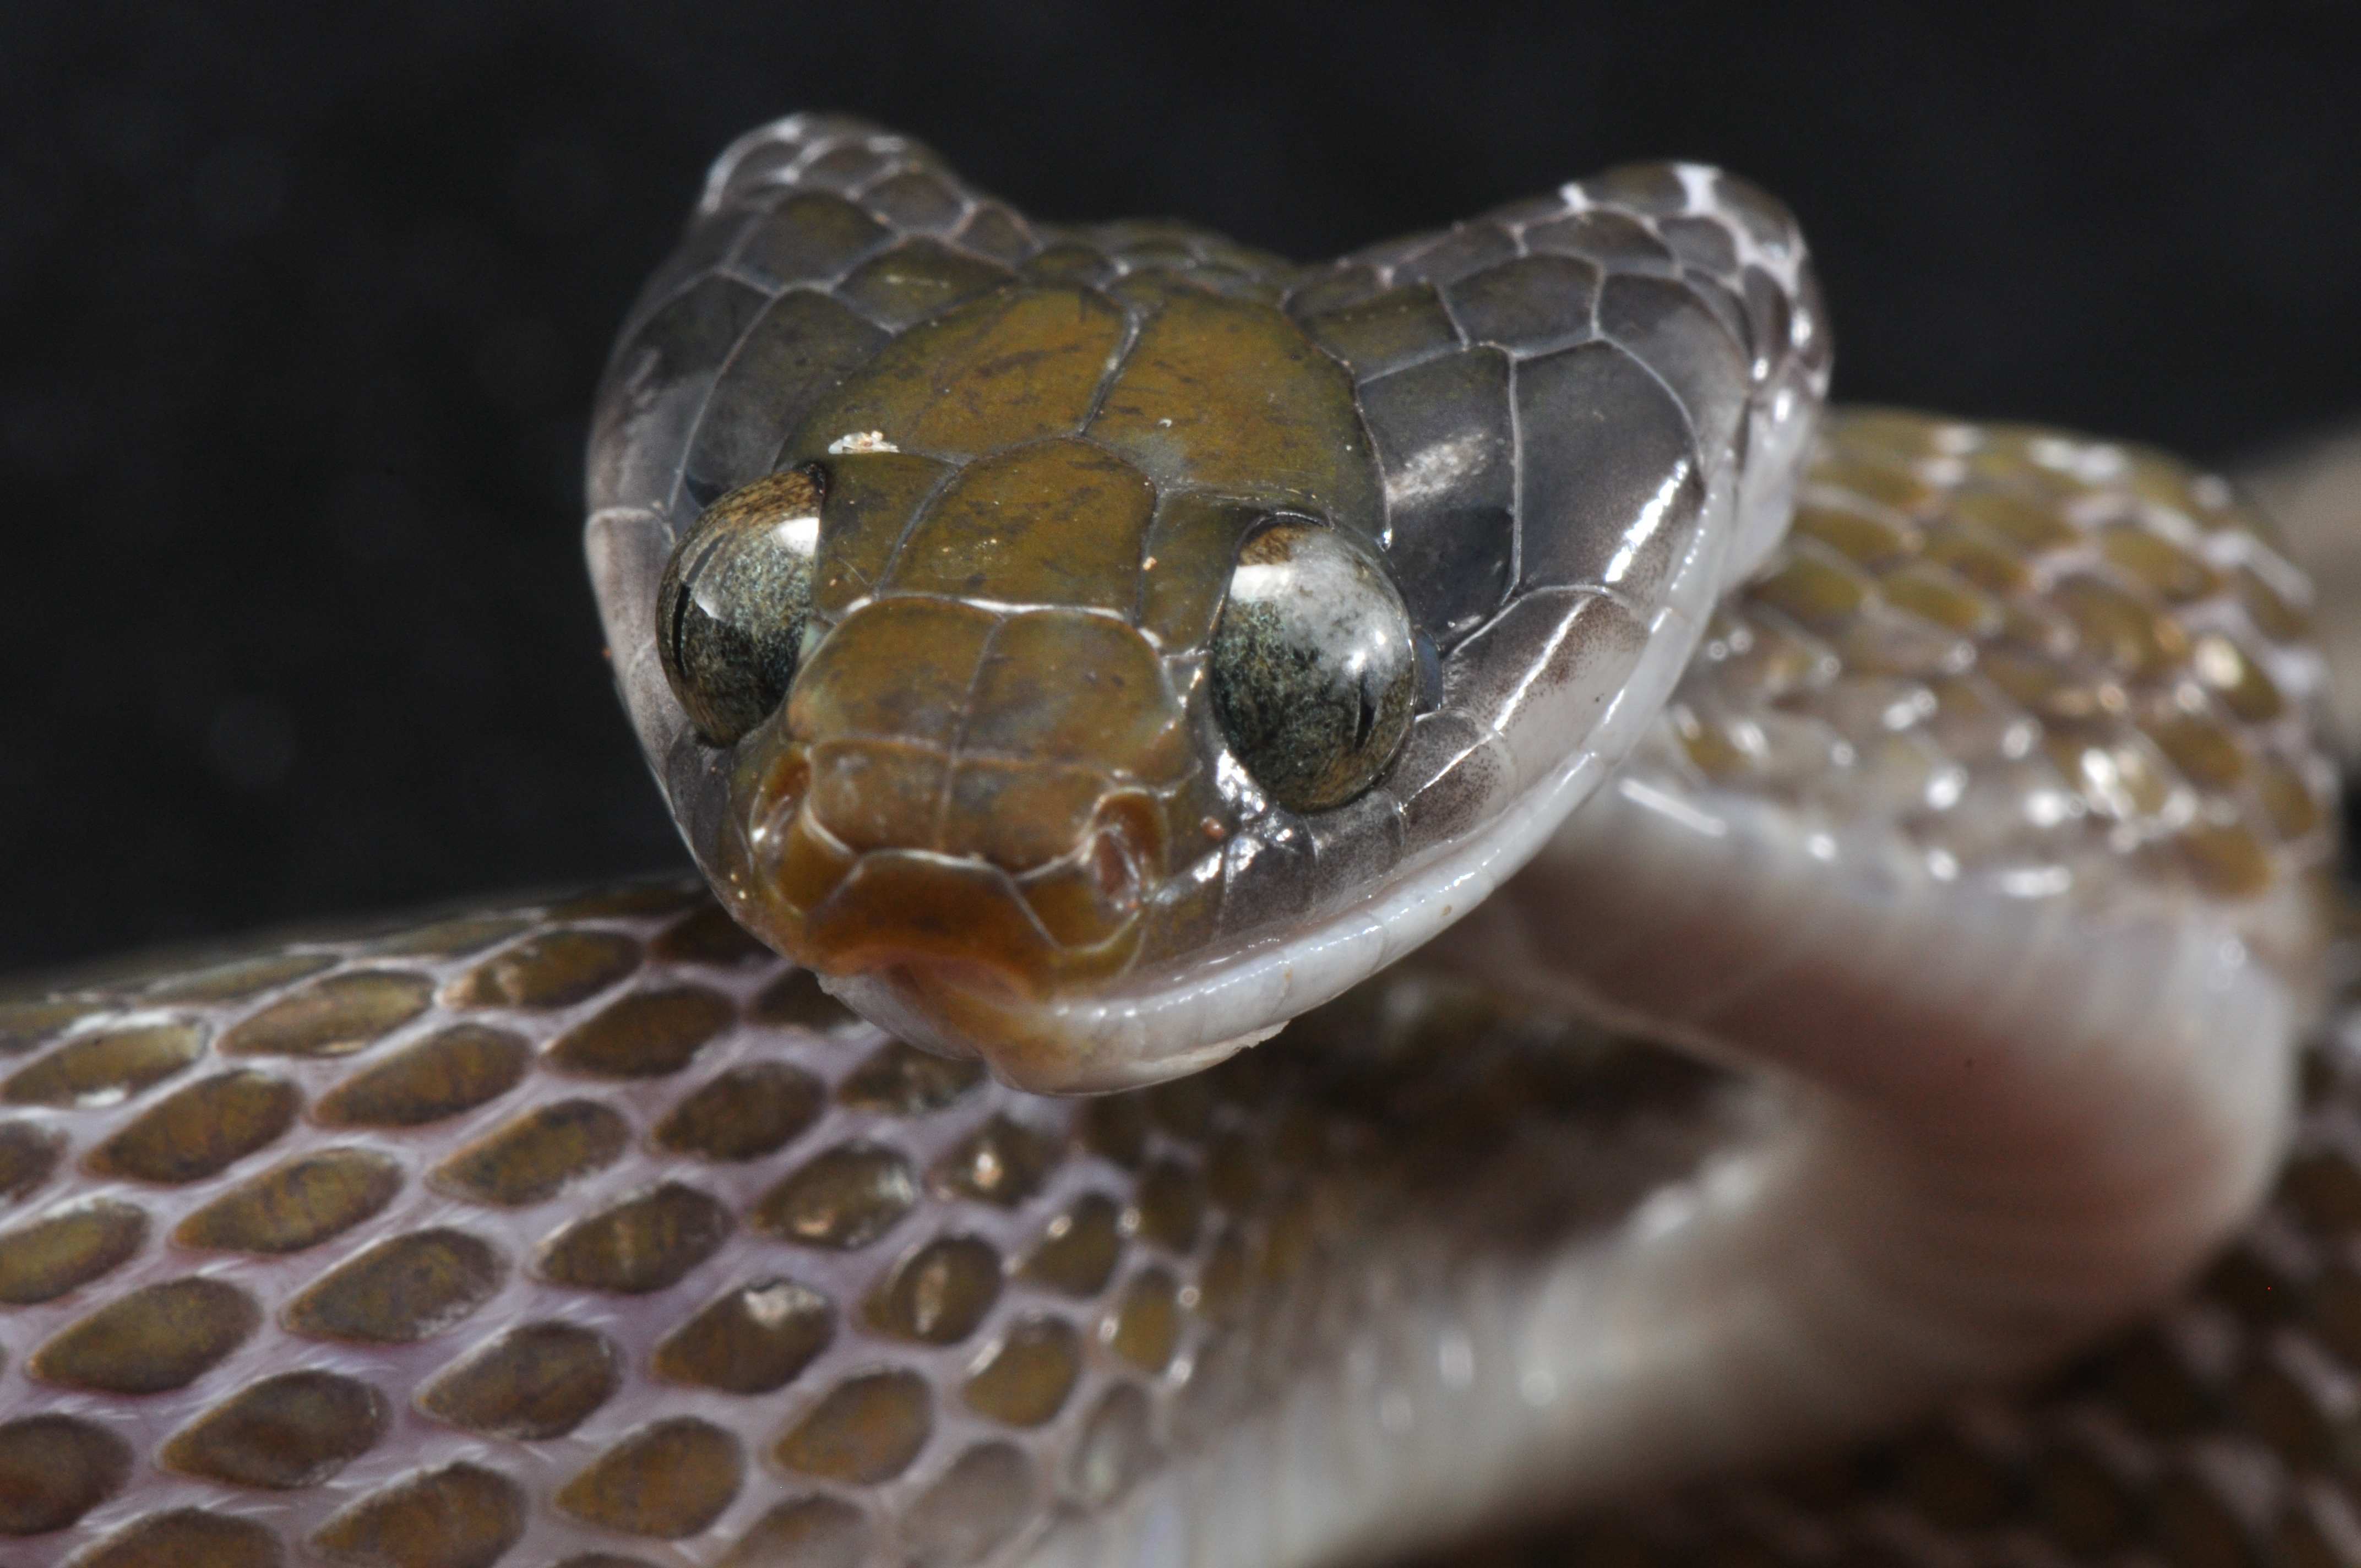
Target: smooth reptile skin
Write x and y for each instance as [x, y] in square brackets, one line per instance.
[1987, 817]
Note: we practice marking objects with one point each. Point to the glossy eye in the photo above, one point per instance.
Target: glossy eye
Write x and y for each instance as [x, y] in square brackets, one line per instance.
[731, 613]
[1315, 673]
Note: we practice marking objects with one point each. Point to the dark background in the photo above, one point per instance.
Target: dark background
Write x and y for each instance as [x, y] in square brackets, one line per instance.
[300, 312]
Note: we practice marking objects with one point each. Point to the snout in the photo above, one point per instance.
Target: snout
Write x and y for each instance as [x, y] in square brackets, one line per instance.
[1019, 880]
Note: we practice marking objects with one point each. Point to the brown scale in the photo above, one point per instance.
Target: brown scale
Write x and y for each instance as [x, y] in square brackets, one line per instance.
[649, 1034]
[151, 1340]
[648, 1242]
[439, 1076]
[405, 1287]
[296, 1205]
[743, 1114]
[755, 1340]
[668, 1480]
[537, 1155]
[71, 1246]
[332, 1016]
[296, 1430]
[540, 1380]
[200, 1131]
[112, 1061]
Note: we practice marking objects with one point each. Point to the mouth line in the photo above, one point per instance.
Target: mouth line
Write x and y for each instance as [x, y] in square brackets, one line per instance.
[1074, 1043]
[959, 919]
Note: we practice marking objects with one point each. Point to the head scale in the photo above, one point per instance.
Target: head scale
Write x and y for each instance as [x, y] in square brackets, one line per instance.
[1090, 647]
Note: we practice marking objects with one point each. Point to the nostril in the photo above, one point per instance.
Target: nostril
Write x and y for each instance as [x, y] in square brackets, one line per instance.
[1125, 842]
[1096, 890]
[1115, 864]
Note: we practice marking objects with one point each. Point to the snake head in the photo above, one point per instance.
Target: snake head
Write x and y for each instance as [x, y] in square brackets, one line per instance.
[1088, 647]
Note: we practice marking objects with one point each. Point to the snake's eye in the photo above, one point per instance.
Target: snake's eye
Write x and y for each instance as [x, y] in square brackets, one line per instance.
[1314, 672]
[731, 613]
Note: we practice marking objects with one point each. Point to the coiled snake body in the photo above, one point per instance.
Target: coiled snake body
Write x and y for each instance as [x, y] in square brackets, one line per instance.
[1087, 648]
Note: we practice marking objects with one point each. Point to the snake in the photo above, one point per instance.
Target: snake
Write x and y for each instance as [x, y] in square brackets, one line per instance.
[1788, 954]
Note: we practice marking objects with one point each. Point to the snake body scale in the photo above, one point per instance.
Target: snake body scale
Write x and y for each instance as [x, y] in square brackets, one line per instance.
[1084, 649]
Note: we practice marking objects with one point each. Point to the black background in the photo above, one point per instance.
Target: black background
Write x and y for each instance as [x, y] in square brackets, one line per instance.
[301, 308]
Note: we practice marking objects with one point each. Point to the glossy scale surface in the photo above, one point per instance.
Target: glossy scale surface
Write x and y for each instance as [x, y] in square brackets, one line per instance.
[1987, 821]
